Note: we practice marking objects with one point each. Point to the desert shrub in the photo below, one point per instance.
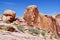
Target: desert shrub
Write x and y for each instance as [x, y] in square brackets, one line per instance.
[34, 31]
[3, 28]
[22, 29]
[55, 36]
[43, 33]
[7, 22]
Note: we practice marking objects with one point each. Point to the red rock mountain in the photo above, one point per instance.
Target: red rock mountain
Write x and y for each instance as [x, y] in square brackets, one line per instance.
[33, 17]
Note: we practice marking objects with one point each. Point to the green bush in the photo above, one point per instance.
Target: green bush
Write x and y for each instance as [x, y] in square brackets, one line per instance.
[22, 29]
[34, 31]
[55, 36]
[7, 22]
[43, 33]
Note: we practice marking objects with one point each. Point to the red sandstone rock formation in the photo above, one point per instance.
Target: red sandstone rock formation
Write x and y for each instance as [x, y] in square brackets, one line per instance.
[47, 23]
[31, 15]
[58, 24]
[9, 15]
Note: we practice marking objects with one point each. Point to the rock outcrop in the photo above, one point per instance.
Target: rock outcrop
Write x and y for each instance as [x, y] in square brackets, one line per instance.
[31, 15]
[47, 23]
[58, 24]
[9, 15]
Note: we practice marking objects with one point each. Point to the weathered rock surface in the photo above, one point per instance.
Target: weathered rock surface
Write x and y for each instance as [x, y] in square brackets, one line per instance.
[6, 35]
[51, 24]
[31, 15]
[58, 24]
[9, 15]
[47, 23]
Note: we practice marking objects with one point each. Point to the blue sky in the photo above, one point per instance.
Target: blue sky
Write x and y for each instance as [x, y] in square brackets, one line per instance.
[50, 7]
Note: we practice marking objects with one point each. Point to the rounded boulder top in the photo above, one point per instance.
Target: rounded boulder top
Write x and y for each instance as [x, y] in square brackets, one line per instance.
[32, 6]
[10, 12]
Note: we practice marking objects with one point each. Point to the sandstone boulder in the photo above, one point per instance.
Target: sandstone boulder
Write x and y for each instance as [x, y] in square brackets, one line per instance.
[8, 15]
